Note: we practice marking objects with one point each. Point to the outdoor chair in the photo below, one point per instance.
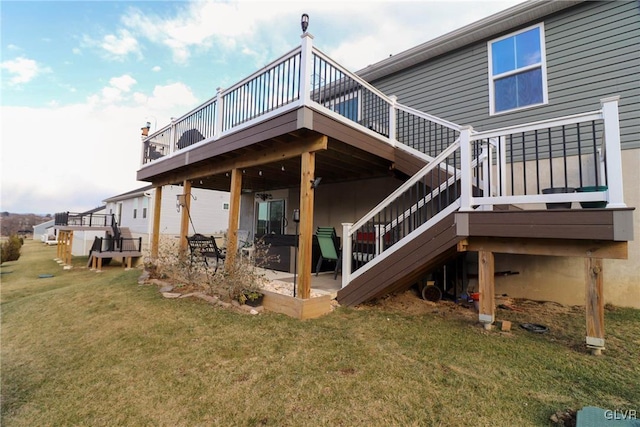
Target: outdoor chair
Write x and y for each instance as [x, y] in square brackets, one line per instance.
[205, 247]
[328, 249]
[243, 240]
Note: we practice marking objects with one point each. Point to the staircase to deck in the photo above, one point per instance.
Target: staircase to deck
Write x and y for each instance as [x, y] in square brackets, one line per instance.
[416, 229]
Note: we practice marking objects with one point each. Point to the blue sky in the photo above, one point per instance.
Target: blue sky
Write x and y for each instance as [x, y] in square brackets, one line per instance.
[79, 78]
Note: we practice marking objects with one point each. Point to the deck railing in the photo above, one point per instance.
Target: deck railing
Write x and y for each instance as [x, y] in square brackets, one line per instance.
[570, 159]
[120, 244]
[304, 76]
[513, 165]
[83, 220]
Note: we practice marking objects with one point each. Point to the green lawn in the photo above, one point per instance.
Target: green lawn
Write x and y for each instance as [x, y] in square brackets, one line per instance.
[86, 348]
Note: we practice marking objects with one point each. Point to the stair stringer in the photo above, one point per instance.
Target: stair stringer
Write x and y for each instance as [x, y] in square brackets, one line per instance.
[403, 264]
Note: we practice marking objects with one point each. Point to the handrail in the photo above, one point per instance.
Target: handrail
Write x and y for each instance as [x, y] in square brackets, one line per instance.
[432, 192]
[407, 184]
[429, 117]
[542, 124]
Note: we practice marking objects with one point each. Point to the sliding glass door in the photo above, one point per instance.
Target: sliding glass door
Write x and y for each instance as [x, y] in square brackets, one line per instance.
[270, 217]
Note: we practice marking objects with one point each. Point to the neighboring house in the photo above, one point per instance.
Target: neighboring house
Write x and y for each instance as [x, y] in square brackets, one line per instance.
[133, 210]
[415, 193]
[44, 230]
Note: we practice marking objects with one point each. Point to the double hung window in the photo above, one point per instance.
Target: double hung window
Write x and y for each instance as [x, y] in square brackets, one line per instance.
[517, 70]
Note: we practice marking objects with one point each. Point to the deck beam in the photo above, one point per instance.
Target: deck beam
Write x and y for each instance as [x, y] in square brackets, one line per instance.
[258, 158]
[549, 247]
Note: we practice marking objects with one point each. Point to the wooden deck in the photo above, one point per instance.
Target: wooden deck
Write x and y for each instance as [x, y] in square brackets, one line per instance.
[348, 154]
[589, 233]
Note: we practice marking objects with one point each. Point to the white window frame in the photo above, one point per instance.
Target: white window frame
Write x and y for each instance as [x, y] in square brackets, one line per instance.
[542, 66]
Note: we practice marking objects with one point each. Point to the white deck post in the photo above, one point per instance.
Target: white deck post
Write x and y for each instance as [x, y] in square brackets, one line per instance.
[613, 154]
[379, 239]
[306, 66]
[486, 174]
[392, 118]
[346, 253]
[173, 137]
[217, 124]
[465, 168]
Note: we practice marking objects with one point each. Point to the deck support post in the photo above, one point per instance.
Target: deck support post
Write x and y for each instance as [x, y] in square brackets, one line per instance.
[305, 262]
[234, 220]
[486, 284]
[594, 305]
[185, 204]
[155, 232]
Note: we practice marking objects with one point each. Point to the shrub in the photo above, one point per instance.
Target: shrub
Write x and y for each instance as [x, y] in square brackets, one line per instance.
[10, 249]
[228, 282]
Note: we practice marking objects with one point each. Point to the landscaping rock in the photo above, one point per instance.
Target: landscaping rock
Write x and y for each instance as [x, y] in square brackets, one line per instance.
[171, 295]
[166, 288]
[253, 311]
[207, 298]
[158, 282]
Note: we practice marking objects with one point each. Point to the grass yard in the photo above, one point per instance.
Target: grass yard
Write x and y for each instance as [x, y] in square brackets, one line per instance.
[86, 348]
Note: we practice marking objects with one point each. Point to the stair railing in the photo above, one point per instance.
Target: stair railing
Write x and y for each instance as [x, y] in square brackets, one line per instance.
[427, 197]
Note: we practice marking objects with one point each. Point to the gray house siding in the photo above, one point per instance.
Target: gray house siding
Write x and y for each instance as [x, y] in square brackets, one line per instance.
[592, 52]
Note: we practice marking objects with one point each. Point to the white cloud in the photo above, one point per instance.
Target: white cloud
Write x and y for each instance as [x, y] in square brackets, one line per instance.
[100, 149]
[22, 70]
[121, 44]
[123, 83]
[114, 46]
[202, 25]
[156, 69]
[168, 97]
[366, 31]
[76, 51]
[13, 47]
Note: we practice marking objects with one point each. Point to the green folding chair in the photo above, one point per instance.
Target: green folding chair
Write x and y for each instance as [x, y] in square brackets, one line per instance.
[328, 250]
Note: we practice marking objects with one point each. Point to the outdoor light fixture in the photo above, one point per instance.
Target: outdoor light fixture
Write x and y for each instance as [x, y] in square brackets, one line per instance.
[316, 182]
[304, 22]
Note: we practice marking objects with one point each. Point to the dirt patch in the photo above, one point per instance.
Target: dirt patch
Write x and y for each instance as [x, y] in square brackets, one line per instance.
[564, 323]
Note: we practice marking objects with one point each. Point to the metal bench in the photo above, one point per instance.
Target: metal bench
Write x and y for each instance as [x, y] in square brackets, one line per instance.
[205, 247]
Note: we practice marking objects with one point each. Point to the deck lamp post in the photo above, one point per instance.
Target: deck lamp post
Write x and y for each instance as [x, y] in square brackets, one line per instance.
[304, 22]
[296, 219]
